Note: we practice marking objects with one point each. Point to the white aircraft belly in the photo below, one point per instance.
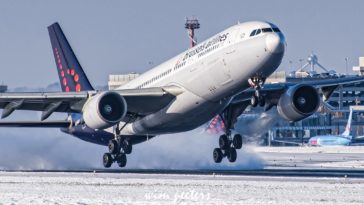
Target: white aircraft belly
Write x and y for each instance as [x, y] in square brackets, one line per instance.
[181, 115]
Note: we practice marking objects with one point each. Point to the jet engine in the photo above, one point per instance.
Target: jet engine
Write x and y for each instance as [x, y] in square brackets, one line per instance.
[298, 102]
[104, 110]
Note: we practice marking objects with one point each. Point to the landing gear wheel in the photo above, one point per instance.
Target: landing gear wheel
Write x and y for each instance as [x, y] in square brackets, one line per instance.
[224, 142]
[113, 147]
[127, 147]
[231, 155]
[237, 141]
[217, 155]
[254, 101]
[121, 160]
[107, 160]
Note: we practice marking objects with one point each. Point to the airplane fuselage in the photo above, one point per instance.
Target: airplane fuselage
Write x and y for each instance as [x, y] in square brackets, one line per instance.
[329, 140]
[210, 73]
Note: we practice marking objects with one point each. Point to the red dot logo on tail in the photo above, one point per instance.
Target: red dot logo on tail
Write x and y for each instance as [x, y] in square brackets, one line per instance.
[78, 87]
[76, 78]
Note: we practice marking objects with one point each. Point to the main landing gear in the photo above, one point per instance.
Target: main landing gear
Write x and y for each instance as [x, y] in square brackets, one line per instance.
[227, 147]
[257, 98]
[229, 143]
[118, 147]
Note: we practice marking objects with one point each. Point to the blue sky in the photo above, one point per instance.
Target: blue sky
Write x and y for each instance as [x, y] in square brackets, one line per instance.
[114, 37]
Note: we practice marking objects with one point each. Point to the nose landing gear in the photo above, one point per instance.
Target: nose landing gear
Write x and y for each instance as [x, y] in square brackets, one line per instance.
[257, 99]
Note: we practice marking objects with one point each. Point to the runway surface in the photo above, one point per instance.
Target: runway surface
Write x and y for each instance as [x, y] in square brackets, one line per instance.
[137, 188]
[337, 173]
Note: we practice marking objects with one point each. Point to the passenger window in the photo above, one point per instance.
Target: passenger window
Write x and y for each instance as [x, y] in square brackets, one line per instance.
[253, 33]
[258, 32]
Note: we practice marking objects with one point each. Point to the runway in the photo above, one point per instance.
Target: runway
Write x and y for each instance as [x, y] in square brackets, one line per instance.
[290, 176]
[337, 173]
[177, 188]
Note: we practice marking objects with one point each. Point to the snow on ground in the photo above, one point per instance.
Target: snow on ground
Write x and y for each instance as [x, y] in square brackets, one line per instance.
[306, 149]
[97, 188]
[350, 157]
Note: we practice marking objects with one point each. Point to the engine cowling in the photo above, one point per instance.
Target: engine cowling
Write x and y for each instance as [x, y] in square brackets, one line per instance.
[298, 102]
[104, 110]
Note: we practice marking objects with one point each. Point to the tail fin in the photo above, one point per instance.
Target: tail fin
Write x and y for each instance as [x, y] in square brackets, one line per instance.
[346, 133]
[71, 75]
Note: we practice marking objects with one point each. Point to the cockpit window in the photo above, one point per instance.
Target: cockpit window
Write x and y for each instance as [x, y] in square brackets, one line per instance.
[266, 30]
[275, 29]
[253, 33]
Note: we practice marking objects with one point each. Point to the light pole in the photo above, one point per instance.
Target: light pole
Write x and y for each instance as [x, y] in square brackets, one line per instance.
[301, 62]
[346, 64]
[290, 64]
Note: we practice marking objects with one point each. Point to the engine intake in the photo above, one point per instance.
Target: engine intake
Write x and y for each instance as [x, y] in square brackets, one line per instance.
[104, 110]
[298, 102]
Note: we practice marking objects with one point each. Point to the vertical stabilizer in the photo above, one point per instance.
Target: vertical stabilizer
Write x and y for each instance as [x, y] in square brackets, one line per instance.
[346, 133]
[71, 75]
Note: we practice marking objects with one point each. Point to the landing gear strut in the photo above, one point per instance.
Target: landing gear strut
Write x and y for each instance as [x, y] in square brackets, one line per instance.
[229, 143]
[118, 147]
[257, 99]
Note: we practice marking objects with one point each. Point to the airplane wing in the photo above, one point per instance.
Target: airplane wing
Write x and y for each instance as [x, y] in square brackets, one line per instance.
[77, 90]
[72, 102]
[274, 90]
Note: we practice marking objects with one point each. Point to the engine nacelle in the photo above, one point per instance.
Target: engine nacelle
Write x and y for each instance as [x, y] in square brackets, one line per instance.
[298, 102]
[104, 110]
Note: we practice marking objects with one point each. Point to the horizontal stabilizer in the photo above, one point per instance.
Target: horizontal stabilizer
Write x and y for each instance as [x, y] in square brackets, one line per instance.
[50, 124]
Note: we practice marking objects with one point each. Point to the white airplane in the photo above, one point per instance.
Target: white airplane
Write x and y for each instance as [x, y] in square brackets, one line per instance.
[343, 139]
[220, 76]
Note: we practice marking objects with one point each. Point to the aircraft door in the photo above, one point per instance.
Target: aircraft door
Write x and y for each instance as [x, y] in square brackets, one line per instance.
[219, 72]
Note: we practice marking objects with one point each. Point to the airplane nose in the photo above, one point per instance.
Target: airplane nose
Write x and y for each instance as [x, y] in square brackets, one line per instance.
[274, 43]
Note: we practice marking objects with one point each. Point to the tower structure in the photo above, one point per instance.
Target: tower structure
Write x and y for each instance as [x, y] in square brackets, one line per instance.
[192, 24]
[312, 61]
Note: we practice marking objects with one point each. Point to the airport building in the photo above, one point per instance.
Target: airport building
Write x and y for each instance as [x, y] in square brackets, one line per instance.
[3, 88]
[116, 81]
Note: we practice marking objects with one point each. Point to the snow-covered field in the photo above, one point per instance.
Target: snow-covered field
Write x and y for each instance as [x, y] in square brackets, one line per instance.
[102, 188]
[351, 157]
